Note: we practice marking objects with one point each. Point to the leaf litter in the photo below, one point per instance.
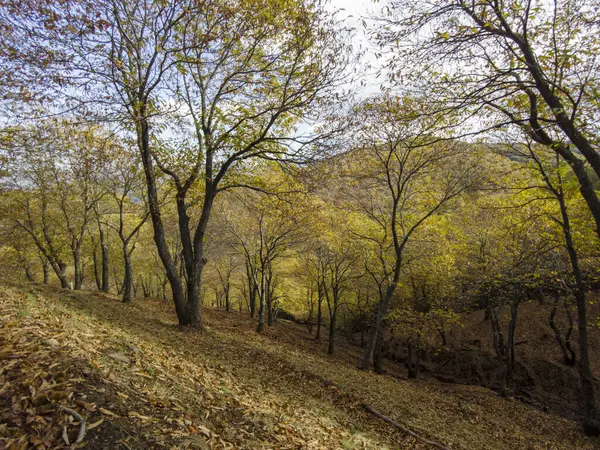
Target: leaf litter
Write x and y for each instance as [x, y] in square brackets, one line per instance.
[138, 381]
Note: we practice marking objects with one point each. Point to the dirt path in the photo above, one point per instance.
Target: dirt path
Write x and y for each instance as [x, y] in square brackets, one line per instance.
[231, 388]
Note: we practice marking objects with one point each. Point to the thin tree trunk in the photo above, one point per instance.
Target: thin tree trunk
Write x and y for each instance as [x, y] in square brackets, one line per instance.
[261, 316]
[261, 310]
[319, 315]
[128, 280]
[591, 422]
[28, 274]
[564, 343]
[332, 320]
[227, 299]
[77, 266]
[45, 269]
[253, 298]
[105, 262]
[251, 289]
[269, 306]
[382, 309]
[412, 362]
[97, 274]
[510, 353]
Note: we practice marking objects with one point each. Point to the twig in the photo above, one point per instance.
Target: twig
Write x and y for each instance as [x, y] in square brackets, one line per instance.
[403, 428]
[81, 433]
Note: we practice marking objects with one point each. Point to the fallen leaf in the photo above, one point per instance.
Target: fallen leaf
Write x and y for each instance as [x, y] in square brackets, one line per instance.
[95, 424]
[108, 413]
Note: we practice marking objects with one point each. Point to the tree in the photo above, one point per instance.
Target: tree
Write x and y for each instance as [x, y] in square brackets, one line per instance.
[269, 228]
[528, 64]
[101, 273]
[248, 75]
[427, 301]
[330, 260]
[54, 178]
[337, 273]
[125, 186]
[406, 176]
[552, 172]
[82, 153]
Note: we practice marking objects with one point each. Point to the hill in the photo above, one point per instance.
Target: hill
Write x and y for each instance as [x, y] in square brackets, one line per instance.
[138, 381]
[541, 379]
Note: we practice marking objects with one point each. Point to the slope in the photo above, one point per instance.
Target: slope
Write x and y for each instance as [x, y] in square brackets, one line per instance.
[141, 382]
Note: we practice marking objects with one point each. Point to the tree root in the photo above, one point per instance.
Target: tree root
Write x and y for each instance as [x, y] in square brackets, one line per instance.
[81, 433]
[373, 411]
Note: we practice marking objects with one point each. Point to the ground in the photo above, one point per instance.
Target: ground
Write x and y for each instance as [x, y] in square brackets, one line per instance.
[140, 382]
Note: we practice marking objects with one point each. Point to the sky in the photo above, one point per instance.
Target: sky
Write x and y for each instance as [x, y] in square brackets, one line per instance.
[354, 11]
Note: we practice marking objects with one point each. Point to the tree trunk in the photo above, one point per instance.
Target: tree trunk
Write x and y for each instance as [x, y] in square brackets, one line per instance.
[412, 361]
[128, 280]
[61, 273]
[510, 344]
[261, 315]
[320, 297]
[251, 289]
[118, 285]
[269, 305]
[97, 275]
[28, 274]
[45, 269]
[77, 266]
[143, 139]
[378, 353]
[193, 292]
[261, 311]
[380, 313]
[564, 343]
[332, 320]
[319, 316]
[488, 311]
[591, 421]
[498, 335]
[252, 299]
[586, 187]
[105, 263]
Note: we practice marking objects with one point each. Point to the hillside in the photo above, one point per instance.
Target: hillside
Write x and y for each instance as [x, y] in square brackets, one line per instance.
[140, 382]
[545, 380]
[542, 379]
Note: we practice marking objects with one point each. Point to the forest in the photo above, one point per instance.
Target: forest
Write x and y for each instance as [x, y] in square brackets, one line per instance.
[405, 190]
